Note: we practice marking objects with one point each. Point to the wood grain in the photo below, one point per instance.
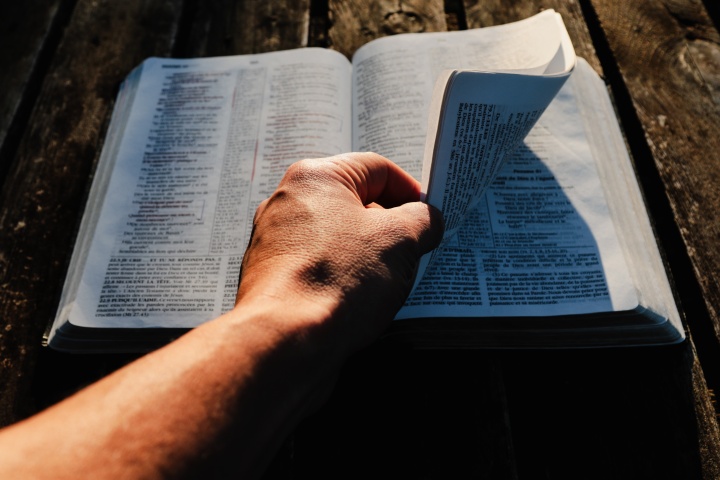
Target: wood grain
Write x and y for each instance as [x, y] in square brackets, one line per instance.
[45, 192]
[227, 27]
[667, 54]
[706, 417]
[354, 23]
[24, 31]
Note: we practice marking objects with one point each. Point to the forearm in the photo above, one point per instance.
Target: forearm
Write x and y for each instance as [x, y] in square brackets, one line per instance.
[228, 392]
[331, 261]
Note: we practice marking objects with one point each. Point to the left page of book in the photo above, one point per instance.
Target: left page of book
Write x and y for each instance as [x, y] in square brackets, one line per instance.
[203, 142]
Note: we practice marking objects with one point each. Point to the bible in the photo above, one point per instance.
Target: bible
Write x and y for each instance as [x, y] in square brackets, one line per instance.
[548, 242]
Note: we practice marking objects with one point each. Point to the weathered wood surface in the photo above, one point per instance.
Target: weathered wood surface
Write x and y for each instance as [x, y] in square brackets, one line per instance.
[667, 60]
[237, 28]
[611, 414]
[668, 57]
[353, 24]
[43, 194]
[26, 28]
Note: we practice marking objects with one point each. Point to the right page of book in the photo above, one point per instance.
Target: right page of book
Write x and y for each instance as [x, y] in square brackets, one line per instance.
[541, 241]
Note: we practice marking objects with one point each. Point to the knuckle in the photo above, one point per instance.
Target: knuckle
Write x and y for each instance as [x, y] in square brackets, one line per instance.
[308, 169]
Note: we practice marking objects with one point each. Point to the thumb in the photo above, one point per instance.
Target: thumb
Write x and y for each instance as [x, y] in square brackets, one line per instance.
[424, 221]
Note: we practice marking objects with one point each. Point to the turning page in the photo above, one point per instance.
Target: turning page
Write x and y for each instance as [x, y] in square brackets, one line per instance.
[394, 77]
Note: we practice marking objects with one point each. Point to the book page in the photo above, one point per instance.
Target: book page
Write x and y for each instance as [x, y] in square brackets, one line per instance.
[540, 242]
[205, 142]
[484, 117]
[394, 77]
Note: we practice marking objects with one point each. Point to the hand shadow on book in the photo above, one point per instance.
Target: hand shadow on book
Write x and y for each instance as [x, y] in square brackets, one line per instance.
[523, 250]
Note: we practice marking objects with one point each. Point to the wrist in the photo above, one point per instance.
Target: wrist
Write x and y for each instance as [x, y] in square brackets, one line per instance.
[291, 325]
[344, 304]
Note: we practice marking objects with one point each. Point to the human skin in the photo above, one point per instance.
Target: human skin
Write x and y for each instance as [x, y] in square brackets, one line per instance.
[331, 260]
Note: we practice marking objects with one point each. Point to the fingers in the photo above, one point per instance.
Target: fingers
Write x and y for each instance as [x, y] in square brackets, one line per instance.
[382, 181]
[370, 177]
[376, 183]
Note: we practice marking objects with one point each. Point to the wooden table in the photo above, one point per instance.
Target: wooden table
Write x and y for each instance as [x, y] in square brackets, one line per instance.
[634, 413]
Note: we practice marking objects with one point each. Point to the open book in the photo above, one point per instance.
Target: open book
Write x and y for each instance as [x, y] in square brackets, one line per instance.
[548, 244]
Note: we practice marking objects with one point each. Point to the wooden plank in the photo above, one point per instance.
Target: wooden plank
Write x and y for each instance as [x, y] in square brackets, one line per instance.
[667, 54]
[355, 23]
[24, 31]
[319, 24]
[227, 27]
[45, 192]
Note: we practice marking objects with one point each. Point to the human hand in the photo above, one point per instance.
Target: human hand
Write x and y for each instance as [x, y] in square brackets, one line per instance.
[341, 236]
